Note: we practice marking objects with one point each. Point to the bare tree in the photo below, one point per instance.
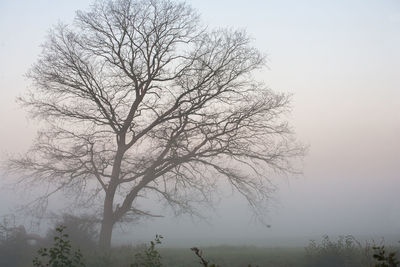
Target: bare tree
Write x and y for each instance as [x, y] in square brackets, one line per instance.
[140, 99]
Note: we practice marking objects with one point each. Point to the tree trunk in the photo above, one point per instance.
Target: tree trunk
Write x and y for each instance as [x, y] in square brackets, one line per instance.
[108, 212]
[107, 224]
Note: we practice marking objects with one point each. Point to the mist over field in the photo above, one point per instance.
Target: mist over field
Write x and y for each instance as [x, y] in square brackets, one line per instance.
[340, 61]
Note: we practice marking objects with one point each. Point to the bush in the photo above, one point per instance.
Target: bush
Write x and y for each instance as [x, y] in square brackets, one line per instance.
[345, 252]
[81, 230]
[150, 257]
[60, 255]
[384, 258]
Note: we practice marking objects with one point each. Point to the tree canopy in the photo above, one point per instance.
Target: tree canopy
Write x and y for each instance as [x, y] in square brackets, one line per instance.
[138, 98]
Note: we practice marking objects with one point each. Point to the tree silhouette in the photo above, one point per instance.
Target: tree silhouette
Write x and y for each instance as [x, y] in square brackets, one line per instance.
[137, 97]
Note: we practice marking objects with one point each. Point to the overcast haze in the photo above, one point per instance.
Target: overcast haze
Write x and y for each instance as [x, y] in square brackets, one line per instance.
[341, 62]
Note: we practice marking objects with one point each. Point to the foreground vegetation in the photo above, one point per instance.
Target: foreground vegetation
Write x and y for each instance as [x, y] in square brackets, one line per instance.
[75, 247]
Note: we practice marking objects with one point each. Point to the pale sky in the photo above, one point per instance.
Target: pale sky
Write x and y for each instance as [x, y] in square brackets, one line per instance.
[341, 62]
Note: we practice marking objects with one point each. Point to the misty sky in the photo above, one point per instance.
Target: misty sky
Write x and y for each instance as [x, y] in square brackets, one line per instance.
[341, 62]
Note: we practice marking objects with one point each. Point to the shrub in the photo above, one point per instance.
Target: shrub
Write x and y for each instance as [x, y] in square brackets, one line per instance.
[81, 230]
[60, 255]
[345, 252]
[384, 258]
[150, 257]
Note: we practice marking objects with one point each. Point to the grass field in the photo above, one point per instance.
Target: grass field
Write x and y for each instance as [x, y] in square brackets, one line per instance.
[232, 256]
[344, 251]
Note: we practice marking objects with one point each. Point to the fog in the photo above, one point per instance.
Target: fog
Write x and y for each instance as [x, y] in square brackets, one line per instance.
[340, 61]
